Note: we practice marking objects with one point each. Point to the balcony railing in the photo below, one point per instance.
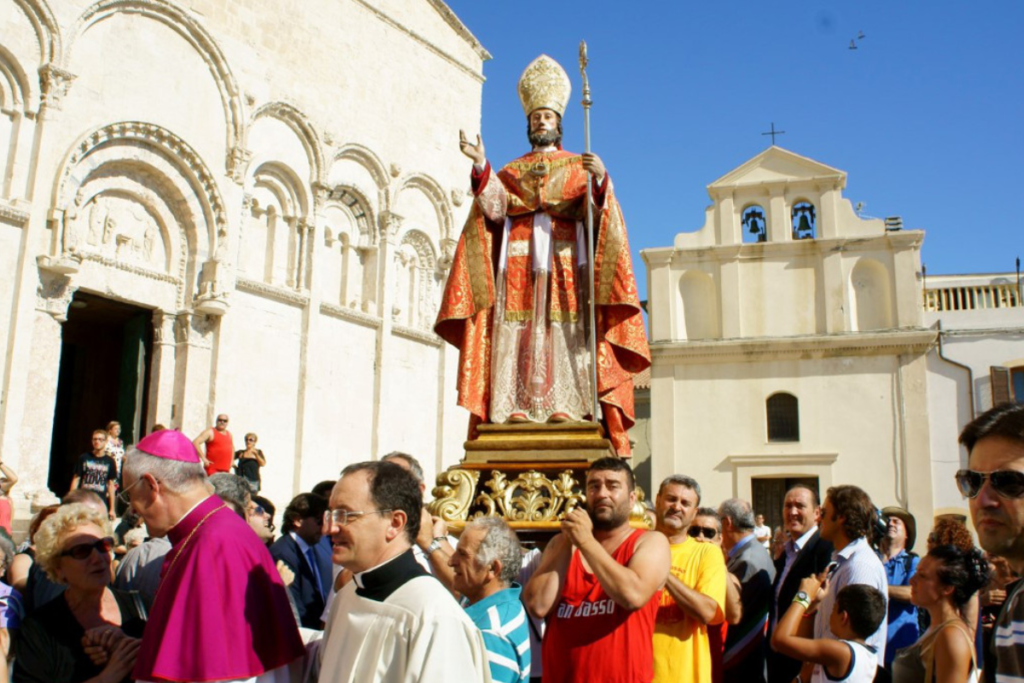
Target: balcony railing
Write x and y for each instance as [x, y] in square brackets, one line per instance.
[971, 298]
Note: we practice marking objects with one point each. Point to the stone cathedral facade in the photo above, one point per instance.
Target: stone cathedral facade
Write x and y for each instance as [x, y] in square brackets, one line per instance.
[237, 206]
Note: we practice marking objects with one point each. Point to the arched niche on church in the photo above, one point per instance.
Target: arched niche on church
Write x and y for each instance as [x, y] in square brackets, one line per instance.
[754, 224]
[804, 219]
[417, 281]
[700, 319]
[134, 197]
[346, 253]
[871, 305]
[15, 93]
[421, 201]
[274, 229]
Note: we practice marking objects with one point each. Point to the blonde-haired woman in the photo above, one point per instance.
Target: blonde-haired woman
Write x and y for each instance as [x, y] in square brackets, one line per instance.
[73, 547]
[250, 460]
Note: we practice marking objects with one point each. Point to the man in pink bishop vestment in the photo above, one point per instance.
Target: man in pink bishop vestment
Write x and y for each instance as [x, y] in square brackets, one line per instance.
[221, 612]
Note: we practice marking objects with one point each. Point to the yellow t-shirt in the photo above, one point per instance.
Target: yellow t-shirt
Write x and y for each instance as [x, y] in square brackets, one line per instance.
[681, 648]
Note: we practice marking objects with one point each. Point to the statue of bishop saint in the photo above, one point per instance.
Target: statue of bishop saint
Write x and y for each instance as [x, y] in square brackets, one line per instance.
[516, 299]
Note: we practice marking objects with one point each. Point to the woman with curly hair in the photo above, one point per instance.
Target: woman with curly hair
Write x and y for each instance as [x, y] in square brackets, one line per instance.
[91, 633]
[946, 580]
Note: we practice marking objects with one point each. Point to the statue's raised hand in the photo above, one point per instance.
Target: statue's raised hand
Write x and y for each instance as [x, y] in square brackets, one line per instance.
[474, 152]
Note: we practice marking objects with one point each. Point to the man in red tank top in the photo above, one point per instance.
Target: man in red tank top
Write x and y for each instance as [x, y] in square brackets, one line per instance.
[598, 586]
[218, 445]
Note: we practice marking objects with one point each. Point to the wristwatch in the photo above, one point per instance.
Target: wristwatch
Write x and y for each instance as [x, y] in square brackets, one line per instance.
[802, 598]
[435, 545]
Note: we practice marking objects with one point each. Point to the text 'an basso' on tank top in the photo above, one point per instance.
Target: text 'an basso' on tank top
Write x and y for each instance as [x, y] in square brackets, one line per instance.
[591, 638]
[219, 452]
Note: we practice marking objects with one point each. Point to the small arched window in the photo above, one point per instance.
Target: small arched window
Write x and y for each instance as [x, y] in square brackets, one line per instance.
[783, 417]
[755, 225]
[805, 221]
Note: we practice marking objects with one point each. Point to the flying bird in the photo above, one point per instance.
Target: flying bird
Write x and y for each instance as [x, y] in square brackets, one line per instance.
[860, 35]
[853, 44]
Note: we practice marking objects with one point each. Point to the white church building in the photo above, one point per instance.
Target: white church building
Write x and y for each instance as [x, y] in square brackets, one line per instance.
[230, 207]
[795, 342]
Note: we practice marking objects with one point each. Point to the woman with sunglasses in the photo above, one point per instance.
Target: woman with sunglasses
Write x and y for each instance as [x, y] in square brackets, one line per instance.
[250, 460]
[63, 641]
[946, 579]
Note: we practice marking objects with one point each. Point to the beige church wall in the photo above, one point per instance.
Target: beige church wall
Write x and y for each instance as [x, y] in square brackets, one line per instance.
[257, 383]
[346, 54]
[781, 297]
[340, 398]
[121, 75]
[410, 409]
[10, 247]
[708, 421]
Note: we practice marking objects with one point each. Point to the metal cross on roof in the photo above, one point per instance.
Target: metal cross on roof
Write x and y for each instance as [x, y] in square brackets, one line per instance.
[774, 132]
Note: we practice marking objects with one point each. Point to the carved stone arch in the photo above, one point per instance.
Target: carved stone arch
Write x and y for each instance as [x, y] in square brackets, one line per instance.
[433, 191]
[153, 162]
[16, 92]
[347, 254]
[426, 252]
[307, 135]
[51, 49]
[353, 201]
[365, 157]
[195, 34]
[284, 183]
[417, 280]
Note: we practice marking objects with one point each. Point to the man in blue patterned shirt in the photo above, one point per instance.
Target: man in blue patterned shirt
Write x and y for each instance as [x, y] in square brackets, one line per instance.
[486, 563]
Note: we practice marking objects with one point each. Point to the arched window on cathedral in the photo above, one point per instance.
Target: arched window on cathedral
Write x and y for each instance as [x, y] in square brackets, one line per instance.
[755, 224]
[783, 413]
[805, 223]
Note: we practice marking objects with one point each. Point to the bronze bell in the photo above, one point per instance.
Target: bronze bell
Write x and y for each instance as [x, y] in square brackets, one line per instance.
[804, 229]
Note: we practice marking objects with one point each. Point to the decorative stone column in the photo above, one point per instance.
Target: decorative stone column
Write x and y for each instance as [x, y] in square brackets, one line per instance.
[193, 408]
[388, 226]
[161, 370]
[53, 296]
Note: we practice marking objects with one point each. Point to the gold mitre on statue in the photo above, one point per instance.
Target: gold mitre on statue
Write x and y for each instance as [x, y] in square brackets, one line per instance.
[544, 85]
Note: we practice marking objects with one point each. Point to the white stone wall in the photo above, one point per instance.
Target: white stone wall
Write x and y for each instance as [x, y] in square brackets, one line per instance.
[279, 182]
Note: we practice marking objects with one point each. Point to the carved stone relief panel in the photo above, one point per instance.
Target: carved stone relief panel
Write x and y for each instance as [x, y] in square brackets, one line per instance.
[118, 227]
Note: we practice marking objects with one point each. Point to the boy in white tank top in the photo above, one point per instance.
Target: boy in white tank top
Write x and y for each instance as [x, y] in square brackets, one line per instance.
[858, 611]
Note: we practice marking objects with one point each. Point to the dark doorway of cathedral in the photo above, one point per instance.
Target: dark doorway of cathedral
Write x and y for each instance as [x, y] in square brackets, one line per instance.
[770, 492]
[104, 376]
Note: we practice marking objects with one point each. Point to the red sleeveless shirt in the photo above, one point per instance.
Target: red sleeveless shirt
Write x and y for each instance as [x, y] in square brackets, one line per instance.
[218, 452]
[590, 638]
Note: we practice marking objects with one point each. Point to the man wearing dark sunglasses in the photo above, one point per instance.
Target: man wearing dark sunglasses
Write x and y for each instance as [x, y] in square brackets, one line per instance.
[694, 596]
[994, 486]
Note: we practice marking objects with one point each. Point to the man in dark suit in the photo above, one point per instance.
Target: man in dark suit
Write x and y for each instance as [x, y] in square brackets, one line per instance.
[748, 561]
[806, 553]
[303, 525]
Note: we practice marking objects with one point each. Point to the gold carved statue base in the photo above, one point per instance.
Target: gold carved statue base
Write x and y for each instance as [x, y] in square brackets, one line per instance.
[529, 474]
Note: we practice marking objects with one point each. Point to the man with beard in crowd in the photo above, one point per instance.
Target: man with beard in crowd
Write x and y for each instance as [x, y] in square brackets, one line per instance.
[597, 585]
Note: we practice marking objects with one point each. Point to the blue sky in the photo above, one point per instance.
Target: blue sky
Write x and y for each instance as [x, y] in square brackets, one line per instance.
[926, 116]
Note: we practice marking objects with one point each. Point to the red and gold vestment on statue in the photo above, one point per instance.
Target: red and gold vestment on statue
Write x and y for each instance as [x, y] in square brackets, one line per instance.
[521, 258]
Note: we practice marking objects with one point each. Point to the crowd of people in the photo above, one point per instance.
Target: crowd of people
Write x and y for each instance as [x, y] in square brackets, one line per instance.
[363, 584]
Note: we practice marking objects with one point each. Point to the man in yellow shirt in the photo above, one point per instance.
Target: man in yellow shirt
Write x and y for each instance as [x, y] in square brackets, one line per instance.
[694, 595]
